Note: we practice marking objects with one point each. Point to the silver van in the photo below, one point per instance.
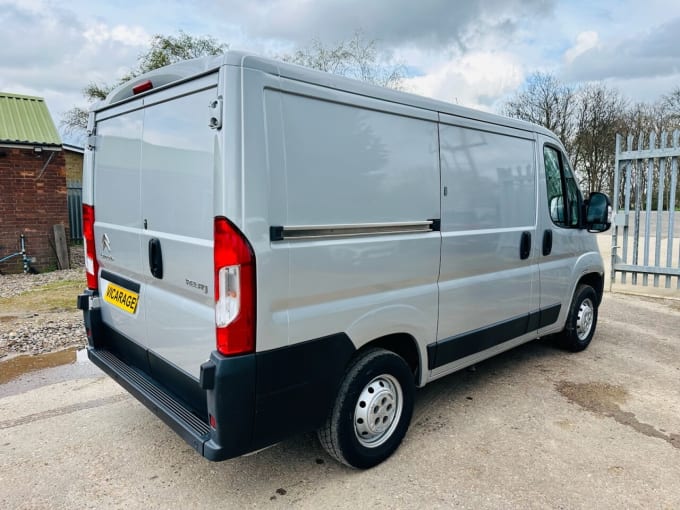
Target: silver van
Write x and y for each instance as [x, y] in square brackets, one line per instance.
[271, 250]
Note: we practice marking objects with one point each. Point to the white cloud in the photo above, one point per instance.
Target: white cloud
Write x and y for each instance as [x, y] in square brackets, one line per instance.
[585, 41]
[475, 79]
[431, 24]
[54, 52]
[471, 53]
[127, 35]
[643, 53]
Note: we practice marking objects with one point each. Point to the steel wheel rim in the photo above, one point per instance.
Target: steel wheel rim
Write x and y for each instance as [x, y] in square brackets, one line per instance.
[584, 319]
[377, 411]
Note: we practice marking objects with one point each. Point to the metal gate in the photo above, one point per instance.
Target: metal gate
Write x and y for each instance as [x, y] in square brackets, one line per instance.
[74, 197]
[646, 231]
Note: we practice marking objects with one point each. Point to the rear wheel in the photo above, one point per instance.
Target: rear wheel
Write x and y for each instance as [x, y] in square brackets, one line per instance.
[372, 410]
[581, 321]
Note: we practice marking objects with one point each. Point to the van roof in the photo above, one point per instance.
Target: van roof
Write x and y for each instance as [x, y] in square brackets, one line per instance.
[188, 69]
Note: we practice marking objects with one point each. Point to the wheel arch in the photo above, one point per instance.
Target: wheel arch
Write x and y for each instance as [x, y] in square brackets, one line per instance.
[403, 345]
[596, 281]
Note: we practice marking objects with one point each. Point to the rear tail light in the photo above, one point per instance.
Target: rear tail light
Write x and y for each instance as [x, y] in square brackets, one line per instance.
[234, 290]
[91, 264]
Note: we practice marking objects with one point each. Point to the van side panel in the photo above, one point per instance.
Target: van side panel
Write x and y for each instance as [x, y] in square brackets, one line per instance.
[487, 290]
[359, 162]
[261, 170]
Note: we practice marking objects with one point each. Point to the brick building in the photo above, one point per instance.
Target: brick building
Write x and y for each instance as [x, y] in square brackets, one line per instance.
[32, 181]
[73, 155]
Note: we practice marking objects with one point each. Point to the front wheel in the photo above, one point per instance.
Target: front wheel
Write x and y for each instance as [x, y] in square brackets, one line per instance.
[581, 321]
[372, 411]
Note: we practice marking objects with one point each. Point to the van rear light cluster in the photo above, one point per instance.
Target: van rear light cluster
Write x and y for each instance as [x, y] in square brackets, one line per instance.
[91, 264]
[234, 290]
[142, 87]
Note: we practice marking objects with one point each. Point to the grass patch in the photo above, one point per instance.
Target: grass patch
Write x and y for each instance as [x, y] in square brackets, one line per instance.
[51, 297]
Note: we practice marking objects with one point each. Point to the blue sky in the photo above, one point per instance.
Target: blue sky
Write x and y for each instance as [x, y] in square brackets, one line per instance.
[474, 52]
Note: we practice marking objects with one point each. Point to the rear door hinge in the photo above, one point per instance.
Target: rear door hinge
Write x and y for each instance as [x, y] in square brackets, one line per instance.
[91, 140]
[215, 113]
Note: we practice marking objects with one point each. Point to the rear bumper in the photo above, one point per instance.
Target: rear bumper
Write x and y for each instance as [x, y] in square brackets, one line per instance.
[177, 414]
[176, 398]
[255, 400]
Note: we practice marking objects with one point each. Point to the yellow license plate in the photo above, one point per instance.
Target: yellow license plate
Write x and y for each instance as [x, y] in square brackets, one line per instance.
[121, 298]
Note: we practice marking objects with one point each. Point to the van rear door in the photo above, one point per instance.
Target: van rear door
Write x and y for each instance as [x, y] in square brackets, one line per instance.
[153, 177]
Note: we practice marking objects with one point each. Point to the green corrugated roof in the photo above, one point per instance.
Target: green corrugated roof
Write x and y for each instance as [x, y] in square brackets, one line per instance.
[26, 119]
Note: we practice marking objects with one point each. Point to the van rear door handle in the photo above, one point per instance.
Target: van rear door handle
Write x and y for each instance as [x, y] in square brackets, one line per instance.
[156, 258]
[547, 242]
[525, 245]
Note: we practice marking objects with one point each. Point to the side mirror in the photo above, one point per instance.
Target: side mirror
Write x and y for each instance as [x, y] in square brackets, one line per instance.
[598, 212]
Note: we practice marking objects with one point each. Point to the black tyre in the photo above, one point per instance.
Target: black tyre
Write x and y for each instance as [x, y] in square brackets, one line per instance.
[581, 321]
[372, 410]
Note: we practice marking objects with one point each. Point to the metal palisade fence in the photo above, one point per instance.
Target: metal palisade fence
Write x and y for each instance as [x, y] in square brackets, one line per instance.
[646, 233]
[74, 197]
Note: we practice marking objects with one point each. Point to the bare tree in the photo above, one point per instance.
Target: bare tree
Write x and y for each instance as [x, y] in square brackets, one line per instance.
[599, 115]
[547, 102]
[661, 117]
[670, 104]
[356, 58]
[587, 121]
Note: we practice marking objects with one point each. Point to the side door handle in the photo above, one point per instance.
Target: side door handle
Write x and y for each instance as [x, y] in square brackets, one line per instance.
[547, 242]
[525, 245]
[156, 258]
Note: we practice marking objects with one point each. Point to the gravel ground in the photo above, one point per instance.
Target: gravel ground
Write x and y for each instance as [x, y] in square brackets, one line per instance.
[31, 333]
[15, 284]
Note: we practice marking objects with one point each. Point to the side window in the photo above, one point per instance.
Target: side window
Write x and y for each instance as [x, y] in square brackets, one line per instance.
[573, 195]
[564, 197]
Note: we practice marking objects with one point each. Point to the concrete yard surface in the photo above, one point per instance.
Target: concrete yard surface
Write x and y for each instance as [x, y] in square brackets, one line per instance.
[535, 427]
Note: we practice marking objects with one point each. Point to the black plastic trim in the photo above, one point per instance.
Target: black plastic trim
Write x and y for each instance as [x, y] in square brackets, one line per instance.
[164, 405]
[547, 242]
[156, 258]
[232, 405]
[83, 302]
[276, 233]
[525, 245]
[185, 387]
[296, 385]
[207, 379]
[255, 399]
[119, 280]
[460, 346]
[549, 315]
